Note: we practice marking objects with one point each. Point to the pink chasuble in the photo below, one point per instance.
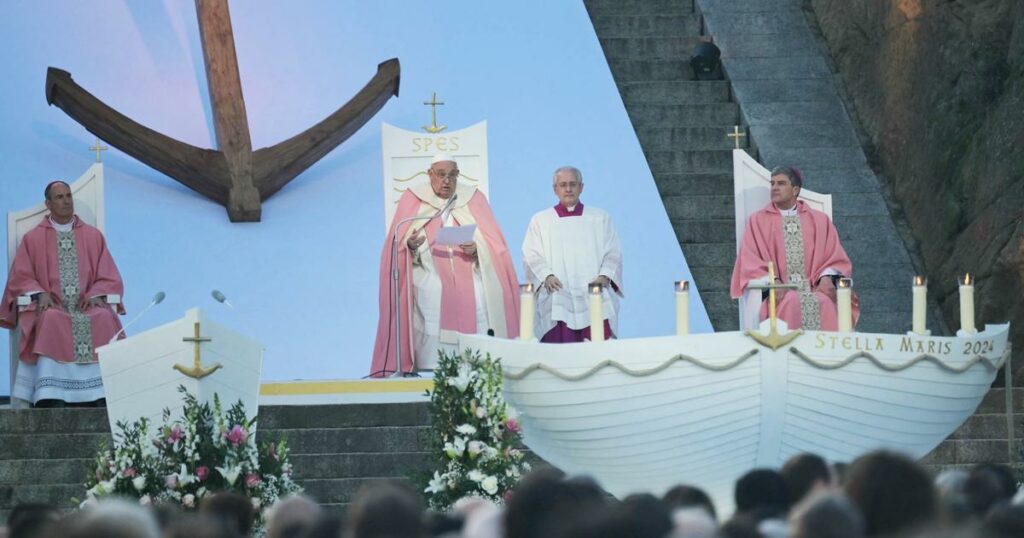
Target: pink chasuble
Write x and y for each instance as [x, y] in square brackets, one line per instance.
[455, 270]
[764, 240]
[36, 268]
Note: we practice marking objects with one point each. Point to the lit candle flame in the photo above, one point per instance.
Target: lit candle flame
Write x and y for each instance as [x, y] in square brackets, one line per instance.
[682, 285]
[967, 279]
[919, 280]
[845, 283]
[526, 288]
[595, 289]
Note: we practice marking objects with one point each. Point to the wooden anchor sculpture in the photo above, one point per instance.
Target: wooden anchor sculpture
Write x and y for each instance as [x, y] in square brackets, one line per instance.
[234, 176]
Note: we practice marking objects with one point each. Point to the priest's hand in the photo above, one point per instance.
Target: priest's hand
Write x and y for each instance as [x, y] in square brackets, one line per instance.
[604, 281]
[469, 249]
[92, 302]
[44, 301]
[415, 241]
[826, 286]
[552, 284]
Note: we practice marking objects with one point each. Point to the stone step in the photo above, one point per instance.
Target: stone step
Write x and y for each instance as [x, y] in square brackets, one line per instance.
[653, 25]
[667, 48]
[688, 138]
[694, 184]
[43, 471]
[711, 279]
[719, 207]
[721, 254]
[57, 421]
[633, 70]
[338, 440]
[339, 490]
[717, 230]
[678, 92]
[354, 465]
[689, 162]
[59, 495]
[707, 114]
[629, 7]
[50, 446]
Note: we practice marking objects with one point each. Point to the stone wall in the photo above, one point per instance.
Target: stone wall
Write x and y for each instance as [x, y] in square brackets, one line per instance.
[938, 91]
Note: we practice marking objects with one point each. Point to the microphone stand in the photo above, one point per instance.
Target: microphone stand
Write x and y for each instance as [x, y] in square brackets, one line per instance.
[394, 281]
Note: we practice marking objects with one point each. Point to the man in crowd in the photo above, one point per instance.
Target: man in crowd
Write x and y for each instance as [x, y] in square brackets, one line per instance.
[64, 266]
[804, 246]
[443, 290]
[567, 249]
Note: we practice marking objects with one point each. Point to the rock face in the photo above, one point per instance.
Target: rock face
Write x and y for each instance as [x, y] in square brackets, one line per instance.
[938, 88]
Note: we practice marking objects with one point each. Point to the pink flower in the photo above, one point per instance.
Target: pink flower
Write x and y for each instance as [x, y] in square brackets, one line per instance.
[237, 435]
[176, 434]
[129, 472]
[252, 480]
[202, 472]
[512, 425]
[272, 451]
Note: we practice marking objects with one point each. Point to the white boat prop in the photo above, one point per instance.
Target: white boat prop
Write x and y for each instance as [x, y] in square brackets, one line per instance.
[646, 414]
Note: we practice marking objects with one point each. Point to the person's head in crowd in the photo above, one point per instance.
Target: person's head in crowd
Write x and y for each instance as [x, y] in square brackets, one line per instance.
[892, 492]
[485, 522]
[31, 520]
[826, 515]
[987, 485]
[544, 504]
[805, 474]
[440, 523]
[949, 486]
[1003, 521]
[232, 509]
[199, 526]
[762, 494]
[327, 525]
[686, 496]
[637, 516]
[291, 516]
[839, 472]
[739, 526]
[113, 518]
[693, 522]
[388, 509]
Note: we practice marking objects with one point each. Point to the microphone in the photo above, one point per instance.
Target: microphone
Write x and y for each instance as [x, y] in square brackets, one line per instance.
[220, 298]
[157, 299]
[447, 209]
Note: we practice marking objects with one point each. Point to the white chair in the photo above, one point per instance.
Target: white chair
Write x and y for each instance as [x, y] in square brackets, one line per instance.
[752, 188]
[87, 192]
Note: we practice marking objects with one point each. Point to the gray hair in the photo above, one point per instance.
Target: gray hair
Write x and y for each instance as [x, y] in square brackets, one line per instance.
[829, 515]
[792, 172]
[573, 169]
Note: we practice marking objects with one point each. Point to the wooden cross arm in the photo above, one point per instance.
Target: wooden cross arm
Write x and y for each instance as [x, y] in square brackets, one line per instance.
[203, 170]
[275, 166]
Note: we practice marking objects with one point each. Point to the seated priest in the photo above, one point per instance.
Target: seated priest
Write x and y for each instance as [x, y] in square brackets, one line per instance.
[567, 249]
[64, 265]
[442, 290]
[804, 246]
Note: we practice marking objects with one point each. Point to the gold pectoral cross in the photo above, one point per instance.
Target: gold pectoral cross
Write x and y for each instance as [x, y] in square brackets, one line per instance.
[197, 371]
[773, 339]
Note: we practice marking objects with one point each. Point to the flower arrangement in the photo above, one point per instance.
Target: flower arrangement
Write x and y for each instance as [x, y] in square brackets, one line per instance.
[207, 451]
[475, 433]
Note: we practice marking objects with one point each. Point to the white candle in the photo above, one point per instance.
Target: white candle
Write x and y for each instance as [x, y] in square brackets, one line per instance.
[596, 314]
[682, 307]
[526, 308]
[967, 304]
[920, 305]
[844, 305]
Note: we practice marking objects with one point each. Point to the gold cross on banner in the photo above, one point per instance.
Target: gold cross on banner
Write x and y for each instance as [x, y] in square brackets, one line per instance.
[433, 128]
[197, 371]
[736, 135]
[98, 148]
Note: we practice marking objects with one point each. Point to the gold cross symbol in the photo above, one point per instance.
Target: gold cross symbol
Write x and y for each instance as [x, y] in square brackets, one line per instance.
[98, 148]
[197, 371]
[773, 339]
[433, 127]
[736, 135]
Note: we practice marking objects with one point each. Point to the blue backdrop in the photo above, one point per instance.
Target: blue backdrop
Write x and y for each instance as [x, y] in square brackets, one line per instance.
[304, 280]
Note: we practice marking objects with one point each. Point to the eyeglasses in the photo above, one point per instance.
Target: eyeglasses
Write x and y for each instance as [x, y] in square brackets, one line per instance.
[453, 175]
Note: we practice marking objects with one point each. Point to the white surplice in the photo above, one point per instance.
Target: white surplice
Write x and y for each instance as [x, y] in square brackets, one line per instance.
[576, 249]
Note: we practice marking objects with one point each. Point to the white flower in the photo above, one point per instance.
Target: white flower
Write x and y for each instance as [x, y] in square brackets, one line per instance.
[256, 503]
[188, 500]
[230, 474]
[454, 450]
[490, 453]
[139, 483]
[474, 448]
[481, 412]
[466, 429]
[437, 484]
[146, 500]
[462, 380]
[184, 478]
[490, 485]
[475, 475]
